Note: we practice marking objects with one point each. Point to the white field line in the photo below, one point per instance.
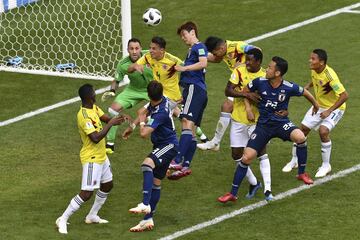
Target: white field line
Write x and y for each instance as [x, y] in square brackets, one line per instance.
[56, 105]
[251, 40]
[260, 204]
[303, 23]
[46, 109]
[352, 11]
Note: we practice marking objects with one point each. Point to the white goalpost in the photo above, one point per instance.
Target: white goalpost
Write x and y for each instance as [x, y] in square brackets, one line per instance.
[69, 38]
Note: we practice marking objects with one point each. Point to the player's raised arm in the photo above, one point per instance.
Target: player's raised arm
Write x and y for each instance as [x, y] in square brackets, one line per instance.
[312, 100]
[132, 124]
[136, 67]
[214, 59]
[201, 64]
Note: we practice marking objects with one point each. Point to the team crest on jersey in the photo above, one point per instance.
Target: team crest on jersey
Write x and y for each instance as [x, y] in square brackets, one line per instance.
[253, 136]
[89, 125]
[164, 66]
[321, 83]
[282, 97]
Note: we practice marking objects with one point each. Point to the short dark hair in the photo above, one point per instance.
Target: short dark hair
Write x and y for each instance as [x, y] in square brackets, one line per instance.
[321, 54]
[134, 40]
[188, 26]
[257, 53]
[155, 90]
[85, 91]
[281, 64]
[159, 41]
[213, 43]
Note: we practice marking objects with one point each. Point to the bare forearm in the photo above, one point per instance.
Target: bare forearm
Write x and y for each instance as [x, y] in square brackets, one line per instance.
[343, 97]
[114, 85]
[310, 97]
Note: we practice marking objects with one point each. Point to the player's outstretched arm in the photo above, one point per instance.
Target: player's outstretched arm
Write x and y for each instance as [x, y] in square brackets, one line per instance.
[97, 136]
[135, 67]
[193, 67]
[312, 100]
[129, 130]
[309, 85]
[231, 91]
[212, 58]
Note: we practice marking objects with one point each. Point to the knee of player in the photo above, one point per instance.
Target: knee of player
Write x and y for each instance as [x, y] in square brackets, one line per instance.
[106, 187]
[85, 195]
[249, 155]
[147, 165]
[324, 132]
[297, 136]
[236, 153]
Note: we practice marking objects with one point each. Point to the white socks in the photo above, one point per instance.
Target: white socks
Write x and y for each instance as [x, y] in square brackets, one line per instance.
[251, 177]
[325, 152]
[221, 126]
[74, 205]
[98, 202]
[265, 170]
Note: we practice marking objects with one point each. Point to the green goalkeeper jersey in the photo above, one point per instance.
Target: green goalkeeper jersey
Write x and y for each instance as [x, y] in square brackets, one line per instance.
[138, 81]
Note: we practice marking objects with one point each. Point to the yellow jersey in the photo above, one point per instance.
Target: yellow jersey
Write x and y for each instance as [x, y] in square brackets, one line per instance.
[235, 52]
[88, 121]
[164, 72]
[241, 77]
[327, 87]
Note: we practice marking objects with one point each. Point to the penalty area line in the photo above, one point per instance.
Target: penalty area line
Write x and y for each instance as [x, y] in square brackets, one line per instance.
[260, 204]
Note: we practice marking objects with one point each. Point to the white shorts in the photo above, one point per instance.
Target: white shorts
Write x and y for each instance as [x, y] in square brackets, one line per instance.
[314, 121]
[240, 134]
[231, 98]
[94, 174]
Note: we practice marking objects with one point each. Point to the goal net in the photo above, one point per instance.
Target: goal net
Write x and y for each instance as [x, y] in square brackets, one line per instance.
[73, 38]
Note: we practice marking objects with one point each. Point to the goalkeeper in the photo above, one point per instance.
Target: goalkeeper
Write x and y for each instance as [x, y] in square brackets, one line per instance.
[133, 93]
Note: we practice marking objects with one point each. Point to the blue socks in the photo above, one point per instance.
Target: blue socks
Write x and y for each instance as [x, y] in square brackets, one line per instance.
[239, 175]
[184, 144]
[301, 153]
[155, 197]
[190, 153]
[148, 182]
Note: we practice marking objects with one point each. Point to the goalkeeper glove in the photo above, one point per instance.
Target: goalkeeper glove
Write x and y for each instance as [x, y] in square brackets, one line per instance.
[107, 95]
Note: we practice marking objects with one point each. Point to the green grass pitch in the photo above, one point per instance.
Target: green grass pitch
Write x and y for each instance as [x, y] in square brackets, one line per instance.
[40, 169]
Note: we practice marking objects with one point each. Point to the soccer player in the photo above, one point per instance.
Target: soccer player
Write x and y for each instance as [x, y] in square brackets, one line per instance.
[233, 54]
[275, 95]
[244, 117]
[96, 166]
[163, 136]
[163, 65]
[133, 93]
[331, 96]
[192, 79]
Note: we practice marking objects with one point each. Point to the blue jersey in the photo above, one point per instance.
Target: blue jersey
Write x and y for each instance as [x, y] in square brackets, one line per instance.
[194, 77]
[162, 123]
[274, 99]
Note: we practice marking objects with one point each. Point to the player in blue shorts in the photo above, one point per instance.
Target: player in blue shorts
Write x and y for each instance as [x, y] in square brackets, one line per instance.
[192, 79]
[163, 136]
[275, 93]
